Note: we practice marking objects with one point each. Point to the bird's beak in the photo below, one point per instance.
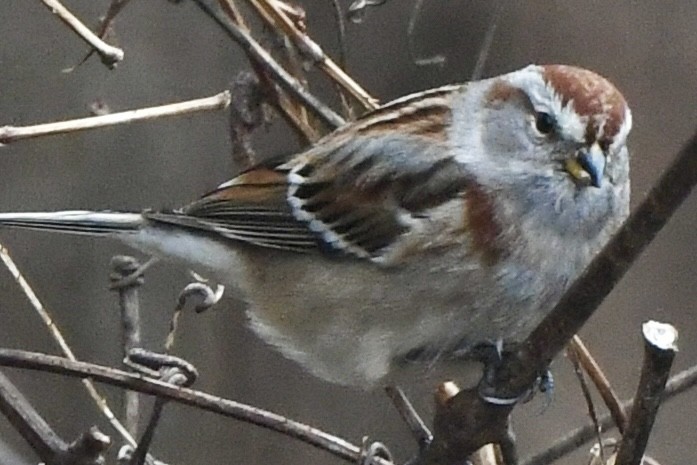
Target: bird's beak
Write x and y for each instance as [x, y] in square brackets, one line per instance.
[587, 166]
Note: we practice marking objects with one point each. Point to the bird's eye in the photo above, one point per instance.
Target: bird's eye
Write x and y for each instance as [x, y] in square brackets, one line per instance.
[545, 123]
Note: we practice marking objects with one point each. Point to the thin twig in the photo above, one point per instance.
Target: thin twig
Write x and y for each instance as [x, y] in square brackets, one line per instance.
[15, 133]
[28, 423]
[312, 50]
[406, 410]
[488, 40]
[129, 303]
[110, 55]
[115, 8]
[281, 76]
[659, 351]
[438, 59]
[341, 32]
[87, 449]
[171, 370]
[592, 413]
[676, 385]
[293, 112]
[99, 400]
[265, 419]
[602, 384]
[230, 8]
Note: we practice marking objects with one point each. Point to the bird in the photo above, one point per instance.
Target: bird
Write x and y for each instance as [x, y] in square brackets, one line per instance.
[442, 220]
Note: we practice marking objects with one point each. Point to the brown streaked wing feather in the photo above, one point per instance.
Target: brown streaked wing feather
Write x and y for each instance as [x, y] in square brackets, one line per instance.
[356, 191]
[362, 199]
[251, 208]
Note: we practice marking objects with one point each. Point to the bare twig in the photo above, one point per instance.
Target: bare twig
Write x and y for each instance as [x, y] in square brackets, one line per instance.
[281, 76]
[110, 55]
[230, 8]
[294, 113]
[98, 399]
[406, 410]
[659, 350]
[265, 419]
[123, 267]
[574, 439]
[341, 32]
[573, 357]
[600, 381]
[28, 423]
[115, 8]
[13, 133]
[438, 59]
[357, 9]
[275, 17]
[171, 370]
[88, 449]
[488, 40]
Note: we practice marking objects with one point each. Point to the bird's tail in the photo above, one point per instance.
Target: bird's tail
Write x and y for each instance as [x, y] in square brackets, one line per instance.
[75, 222]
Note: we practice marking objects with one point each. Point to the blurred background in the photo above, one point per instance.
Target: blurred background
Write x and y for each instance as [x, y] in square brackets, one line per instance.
[173, 53]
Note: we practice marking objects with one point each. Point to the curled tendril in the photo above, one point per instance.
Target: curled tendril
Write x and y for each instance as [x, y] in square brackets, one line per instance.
[372, 450]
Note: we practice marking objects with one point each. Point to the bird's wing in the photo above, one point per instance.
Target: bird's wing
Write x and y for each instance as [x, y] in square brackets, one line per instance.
[356, 193]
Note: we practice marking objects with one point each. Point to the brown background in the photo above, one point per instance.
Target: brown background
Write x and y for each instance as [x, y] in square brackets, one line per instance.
[649, 49]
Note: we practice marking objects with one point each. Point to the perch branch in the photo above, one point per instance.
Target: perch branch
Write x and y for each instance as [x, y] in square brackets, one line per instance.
[12, 134]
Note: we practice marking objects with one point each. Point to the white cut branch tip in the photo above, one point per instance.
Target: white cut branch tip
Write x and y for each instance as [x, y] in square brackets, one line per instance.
[110, 55]
[662, 336]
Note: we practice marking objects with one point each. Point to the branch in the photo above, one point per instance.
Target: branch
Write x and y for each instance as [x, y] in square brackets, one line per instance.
[136, 382]
[280, 75]
[602, 384]
[124, 267]
[110, 55]
[12, 133]
[57, 336]
[608, 267]
[512, 376]
[87, 449]
[659, 351]
[272, 14]
[28, 423]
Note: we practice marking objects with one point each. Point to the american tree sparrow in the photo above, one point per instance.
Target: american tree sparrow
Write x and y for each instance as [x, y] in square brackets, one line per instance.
[444, 219]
